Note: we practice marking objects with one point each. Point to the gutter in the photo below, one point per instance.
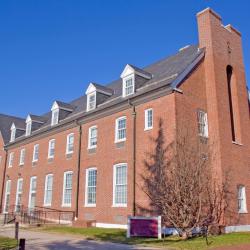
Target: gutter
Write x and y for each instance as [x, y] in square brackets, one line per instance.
[134, 156]
[78, 170]
[4, 174]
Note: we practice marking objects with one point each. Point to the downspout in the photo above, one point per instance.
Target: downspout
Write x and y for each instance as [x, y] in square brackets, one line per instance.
[78, 170]
[4, 173]
[134, 156]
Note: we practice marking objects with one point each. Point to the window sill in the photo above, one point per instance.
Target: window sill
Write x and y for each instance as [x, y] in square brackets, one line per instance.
[237, 143]
[47, 205]
[118, 141]
[119, 205]
[90, 205]
[243, 212]
[147, 129]
[65, 205]
[93, 147]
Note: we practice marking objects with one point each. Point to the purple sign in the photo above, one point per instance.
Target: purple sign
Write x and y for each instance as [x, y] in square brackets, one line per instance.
[144, 227]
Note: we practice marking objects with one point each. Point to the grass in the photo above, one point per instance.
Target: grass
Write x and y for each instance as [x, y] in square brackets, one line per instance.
[7, 243]
[173, 242]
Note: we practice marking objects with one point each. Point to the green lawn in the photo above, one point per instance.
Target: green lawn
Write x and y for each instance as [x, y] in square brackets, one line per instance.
[7, 243]
[117, 235]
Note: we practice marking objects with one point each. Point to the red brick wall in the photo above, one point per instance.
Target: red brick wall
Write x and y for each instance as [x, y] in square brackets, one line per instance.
[2, 165]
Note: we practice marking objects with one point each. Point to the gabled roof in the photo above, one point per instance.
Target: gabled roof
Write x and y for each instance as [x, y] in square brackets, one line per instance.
[6, 122]
[129, 68]
[63, 105]
[167, 73]
[99, 88]
[36, 118]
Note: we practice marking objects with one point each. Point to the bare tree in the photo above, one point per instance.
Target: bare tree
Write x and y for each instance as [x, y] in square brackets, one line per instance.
[181, 185]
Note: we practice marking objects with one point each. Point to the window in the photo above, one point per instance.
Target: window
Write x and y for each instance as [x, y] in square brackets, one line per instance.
[11, 159]
[51, 151]
[90, 190]
[35, 153]
[242, 206]
[92, 137]
[22, 157]
[70, 144]
[19, 192]
[13, 134]
[128, 86]
[202, 123]
[55, 117]
[28, 128]
[67, 189]
[1, 160]
[32, 194]
[7, 196]
[48, 190]
[120, 131]
[91, 101]
[120, 185]
[148, 119]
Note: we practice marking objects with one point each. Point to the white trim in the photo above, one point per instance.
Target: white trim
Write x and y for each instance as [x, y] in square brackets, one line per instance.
[130, 70]
[30, 191]
[17, 191]
[114, 184]
[107, 225]
[146, 119]
[89, 137]
[28, 128]
[64, 182]
[45, 189]
[88, 97]
[132, 76]
[5, 196]
[86, 204]
[116, 129]
[22, 157]
[10, 160]
[50, 156]
[243, 199]
[238, 228]
[35, 148]
[13, 133]
[67, 144]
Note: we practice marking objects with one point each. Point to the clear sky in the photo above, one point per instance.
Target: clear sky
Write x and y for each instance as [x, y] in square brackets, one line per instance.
[51, 49]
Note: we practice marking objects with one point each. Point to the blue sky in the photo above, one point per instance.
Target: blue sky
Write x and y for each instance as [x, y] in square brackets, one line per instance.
[51, 49]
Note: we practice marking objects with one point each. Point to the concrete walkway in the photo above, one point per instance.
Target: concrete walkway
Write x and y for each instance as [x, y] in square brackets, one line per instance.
[44, 241]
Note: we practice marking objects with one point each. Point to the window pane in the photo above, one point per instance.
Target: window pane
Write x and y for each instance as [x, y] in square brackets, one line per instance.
[91, 186]
[121, 129]
[121, 185]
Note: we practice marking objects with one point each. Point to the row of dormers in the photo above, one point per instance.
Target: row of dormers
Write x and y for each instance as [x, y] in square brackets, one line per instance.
[132, 79]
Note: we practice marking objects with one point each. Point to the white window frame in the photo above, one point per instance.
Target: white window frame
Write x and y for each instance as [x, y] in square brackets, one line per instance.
[114, 185]
[242, 201]
[68, 145]
[35, 153]
[51, 150]
[22, 157]
[18, 192]
[87, 187]
[13, 135]
[64, 186]
[32, 191]
[55, 117]
[1, 158]
[90, 138]
[116, 129]
[7, 194]
[124, 81]
[202, 122]
[46, 190]
[11, 159]
[89, 107]
[146, 127]
[28, 128]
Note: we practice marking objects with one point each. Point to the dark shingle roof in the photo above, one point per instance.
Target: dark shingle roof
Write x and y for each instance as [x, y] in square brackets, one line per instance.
[37, 118]
[5, 125]
[103, 88]
[140, 71]
[165, 73]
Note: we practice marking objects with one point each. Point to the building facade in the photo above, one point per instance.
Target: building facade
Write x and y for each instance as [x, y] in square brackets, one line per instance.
[87, 156]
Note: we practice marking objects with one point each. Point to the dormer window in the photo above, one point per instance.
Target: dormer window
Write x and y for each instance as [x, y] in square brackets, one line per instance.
[55, 117]
[128, 86]
[91, 101]
[28, 128]
[13, 133]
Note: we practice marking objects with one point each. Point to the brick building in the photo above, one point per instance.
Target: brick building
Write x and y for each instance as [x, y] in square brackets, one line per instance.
[86, 156]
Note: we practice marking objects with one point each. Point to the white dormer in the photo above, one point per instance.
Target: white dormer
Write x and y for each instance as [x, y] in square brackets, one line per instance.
[55, 114]
[128, 79]
[28, 125]
[91, 97]
[13, 132]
